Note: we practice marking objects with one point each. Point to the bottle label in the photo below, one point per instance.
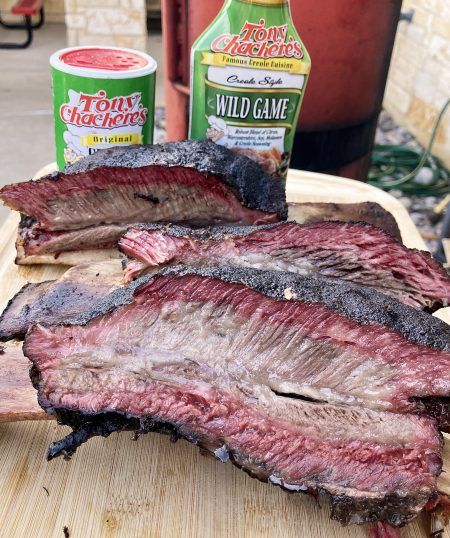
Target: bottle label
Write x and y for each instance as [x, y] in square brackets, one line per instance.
[94, 121]
[254, 82]
[259, 47]
[97, 113]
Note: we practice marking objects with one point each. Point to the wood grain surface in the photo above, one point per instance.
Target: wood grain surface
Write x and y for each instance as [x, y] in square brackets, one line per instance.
[118, 487]
[17, 396]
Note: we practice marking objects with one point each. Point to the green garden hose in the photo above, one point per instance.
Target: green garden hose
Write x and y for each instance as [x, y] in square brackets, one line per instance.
[396, 167]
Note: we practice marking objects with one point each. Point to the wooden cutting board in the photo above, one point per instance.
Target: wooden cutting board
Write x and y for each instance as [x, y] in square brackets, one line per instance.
[118, 487]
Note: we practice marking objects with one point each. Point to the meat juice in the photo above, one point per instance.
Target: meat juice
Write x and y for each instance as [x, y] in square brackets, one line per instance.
[103, 97]
[249, 71]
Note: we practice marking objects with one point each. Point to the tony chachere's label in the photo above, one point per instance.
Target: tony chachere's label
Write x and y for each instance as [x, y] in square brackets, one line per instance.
[252, 85]
[94, 121]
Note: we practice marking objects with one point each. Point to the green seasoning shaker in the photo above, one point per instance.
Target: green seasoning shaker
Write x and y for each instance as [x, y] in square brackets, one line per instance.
[248, 75]
[103, 97]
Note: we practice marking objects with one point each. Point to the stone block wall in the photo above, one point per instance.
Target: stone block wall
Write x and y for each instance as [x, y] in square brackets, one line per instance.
[419, 78]
[54, 10]
[119, 23]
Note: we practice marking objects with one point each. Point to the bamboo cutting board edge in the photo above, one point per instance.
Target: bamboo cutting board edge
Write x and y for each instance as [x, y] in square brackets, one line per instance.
[116, 487]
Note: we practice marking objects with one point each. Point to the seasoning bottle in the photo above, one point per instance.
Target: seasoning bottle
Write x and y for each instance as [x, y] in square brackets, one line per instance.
[103, 97]
[249, 71]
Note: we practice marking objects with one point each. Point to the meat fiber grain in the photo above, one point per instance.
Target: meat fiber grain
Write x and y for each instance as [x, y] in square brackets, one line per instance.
[309, 337]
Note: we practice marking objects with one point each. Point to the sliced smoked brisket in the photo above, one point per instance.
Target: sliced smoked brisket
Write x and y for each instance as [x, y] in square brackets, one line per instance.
[356, 252]
[32, 242]
[196, 182]
[71, 247]
[78, 290]
[298, 380]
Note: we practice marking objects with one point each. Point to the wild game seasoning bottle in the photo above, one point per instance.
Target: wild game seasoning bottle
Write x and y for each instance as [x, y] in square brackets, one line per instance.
[249, 71]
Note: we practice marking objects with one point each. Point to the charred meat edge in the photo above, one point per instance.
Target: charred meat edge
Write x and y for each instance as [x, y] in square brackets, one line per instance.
[75, 291]
[394, 509]
[5, 334]
[247, 180]
[359, 304]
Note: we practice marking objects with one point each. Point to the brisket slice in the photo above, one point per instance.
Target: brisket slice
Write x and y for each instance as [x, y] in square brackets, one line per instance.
[223, 358]
[356, 252]
[308, 337]
[197, 182]
[67, 247]
[70, 258]
[370, 212]
[32, 241]
[78, 290]
[371, 466]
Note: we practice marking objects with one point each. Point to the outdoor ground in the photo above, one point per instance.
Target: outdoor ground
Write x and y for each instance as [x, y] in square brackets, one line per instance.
[26, 116]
